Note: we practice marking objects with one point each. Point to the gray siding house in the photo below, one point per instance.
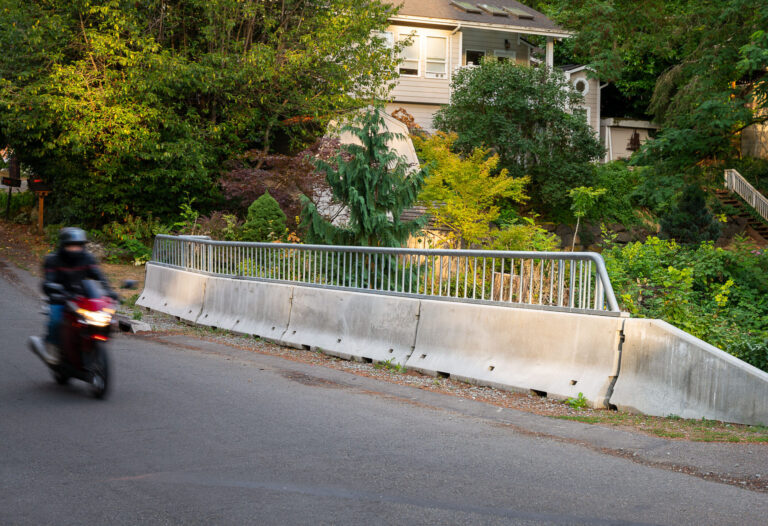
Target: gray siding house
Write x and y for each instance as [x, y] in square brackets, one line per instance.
[450, 34]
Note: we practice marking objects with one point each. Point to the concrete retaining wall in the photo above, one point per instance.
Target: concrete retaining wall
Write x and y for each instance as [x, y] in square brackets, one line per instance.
[173, 292]
[353, 325]
[248, 307]
[561, 354]
[666, 371]
[661, 370]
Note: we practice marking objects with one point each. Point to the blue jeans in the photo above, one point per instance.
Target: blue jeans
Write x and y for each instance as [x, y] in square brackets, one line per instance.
[54, 320]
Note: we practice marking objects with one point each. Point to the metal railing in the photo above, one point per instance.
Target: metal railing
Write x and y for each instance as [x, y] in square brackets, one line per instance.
[574, 281]
[736, 183]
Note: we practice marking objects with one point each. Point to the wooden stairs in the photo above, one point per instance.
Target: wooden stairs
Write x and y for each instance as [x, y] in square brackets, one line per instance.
[743, 215]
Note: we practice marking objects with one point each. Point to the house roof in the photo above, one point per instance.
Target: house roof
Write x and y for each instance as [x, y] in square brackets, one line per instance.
[505, 15]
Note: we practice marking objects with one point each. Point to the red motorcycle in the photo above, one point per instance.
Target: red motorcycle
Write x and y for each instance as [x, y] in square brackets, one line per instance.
[84, 332]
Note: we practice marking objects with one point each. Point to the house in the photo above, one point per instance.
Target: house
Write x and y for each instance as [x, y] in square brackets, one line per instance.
[589, 87]
[622, 137]
[451, 34]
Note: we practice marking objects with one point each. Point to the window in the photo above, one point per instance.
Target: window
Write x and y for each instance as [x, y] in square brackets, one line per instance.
[581, 85]
[474, 58]
[437, 53]
[411, 56]
[387, 36]
[504, 56]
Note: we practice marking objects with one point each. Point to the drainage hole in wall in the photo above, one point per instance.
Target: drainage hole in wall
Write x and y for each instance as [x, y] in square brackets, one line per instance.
[613, 407]
[367, 360]
[574, 382]
[491, 367]
[338, 340]
[273, 328]
[391, 351]
[165, 304]
[205, 316]
[305, 347]
[441, 374]
[237, 321]
[423, 356]
[294, 332]
[536, 392]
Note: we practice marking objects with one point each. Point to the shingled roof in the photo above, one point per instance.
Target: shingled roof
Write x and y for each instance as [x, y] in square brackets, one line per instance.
[503, 14]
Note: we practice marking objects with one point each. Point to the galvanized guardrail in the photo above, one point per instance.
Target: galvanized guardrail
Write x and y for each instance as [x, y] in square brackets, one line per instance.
[736, 183]
[574, 281]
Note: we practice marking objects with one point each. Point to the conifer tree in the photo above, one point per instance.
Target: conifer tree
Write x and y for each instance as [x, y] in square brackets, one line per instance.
[689, 221]
[373, 182]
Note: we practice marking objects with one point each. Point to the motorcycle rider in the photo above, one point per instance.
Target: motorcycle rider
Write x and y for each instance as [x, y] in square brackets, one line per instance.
[68, 266]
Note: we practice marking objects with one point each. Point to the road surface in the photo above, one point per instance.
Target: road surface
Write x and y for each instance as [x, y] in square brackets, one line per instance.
[214, 435]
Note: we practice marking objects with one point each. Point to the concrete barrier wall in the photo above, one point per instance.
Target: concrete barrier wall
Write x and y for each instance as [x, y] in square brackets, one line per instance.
[353, 325]
[661, 370]
[561, 354]
[173, 292]
[248, 307]
[666, 371]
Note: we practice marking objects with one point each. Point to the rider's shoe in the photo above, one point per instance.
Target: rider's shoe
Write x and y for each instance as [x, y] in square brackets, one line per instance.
[52, 354]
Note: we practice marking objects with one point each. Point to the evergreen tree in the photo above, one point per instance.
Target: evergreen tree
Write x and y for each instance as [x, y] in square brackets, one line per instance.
[373, 182]
[689, 221]
[266, 221]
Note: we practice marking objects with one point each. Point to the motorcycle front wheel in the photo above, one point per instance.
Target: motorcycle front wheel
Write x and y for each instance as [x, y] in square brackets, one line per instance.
[99, 372]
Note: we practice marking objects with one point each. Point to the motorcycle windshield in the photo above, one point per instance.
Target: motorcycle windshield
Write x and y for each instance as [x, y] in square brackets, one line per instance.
[93, 289]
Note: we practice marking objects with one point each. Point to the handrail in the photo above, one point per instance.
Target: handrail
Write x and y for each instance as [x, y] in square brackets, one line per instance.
[572, 281]
[736, 183]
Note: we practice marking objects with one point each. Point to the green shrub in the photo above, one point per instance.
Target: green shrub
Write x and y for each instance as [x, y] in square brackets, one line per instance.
[689, 221]
[718, 295]
[617, 204]
[266, 221]
[22, 204]
[130, 240]
[526, 236]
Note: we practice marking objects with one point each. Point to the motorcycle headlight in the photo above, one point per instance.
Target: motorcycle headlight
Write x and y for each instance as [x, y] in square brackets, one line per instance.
[97, 318]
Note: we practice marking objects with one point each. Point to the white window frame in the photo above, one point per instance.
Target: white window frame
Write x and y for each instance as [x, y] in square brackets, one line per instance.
[444, 62]
[484, 52]
[418, 44]
[388, 36]
[586, 86]
[506, 53]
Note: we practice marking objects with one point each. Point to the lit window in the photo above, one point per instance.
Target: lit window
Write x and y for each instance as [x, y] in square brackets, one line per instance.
[437, 52]
[411, 56]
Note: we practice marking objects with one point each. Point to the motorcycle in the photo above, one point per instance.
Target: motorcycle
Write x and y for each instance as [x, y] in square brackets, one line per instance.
[88, 321]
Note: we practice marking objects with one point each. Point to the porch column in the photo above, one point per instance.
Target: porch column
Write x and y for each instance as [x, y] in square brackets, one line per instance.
[550, 57]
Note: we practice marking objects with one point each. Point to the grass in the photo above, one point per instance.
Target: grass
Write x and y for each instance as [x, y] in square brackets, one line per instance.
[674, 427]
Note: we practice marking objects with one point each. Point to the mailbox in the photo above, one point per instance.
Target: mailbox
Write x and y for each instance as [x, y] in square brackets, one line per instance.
[36, 184]
[11, 182]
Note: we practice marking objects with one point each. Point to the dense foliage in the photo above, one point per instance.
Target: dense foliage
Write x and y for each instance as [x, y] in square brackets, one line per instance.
[720, 296]
[526, 115]
[689, 221]
[265, 222]
[462, 194]
[697, 67]
[128, 106]
[373, 182]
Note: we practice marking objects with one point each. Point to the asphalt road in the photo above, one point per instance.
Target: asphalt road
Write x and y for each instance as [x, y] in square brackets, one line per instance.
[214, 435]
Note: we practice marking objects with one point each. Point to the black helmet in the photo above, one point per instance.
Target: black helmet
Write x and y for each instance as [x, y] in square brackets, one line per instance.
[72, 236]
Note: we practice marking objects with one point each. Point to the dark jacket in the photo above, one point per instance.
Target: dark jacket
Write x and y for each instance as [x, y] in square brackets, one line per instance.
[70, 270]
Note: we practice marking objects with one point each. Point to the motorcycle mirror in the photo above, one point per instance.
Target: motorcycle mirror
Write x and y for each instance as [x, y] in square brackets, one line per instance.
[129, 284]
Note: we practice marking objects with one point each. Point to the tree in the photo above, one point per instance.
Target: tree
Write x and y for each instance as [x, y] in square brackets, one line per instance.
[374, 183]
[689, 221]
[131, 105]
[265, 222]
[462, 194]
[583, 200]
[698, 67]
[526, 115]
